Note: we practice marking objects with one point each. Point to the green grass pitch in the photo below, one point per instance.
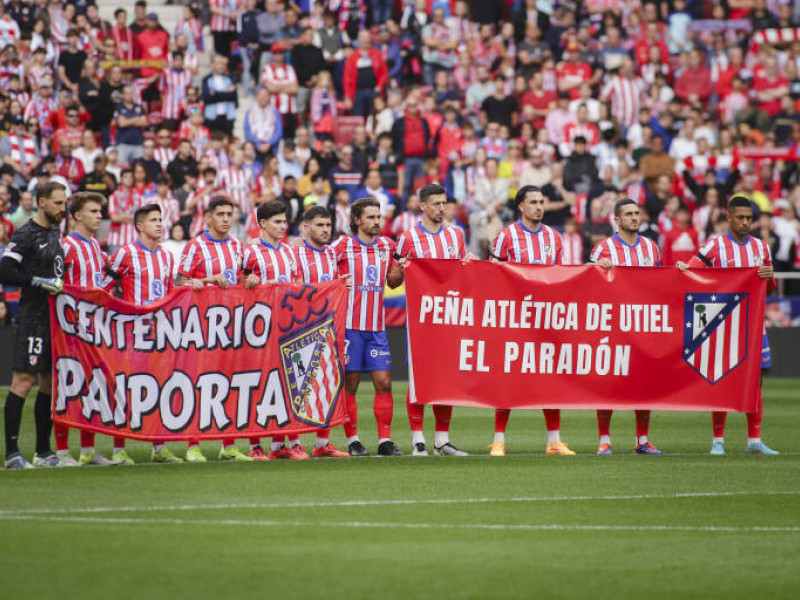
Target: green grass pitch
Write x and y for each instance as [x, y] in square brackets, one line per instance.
[681, 525]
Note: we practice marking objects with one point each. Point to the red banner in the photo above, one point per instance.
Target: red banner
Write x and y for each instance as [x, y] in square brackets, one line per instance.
[213, 364]
[519, 336]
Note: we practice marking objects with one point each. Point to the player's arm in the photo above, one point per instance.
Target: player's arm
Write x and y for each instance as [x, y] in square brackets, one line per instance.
[600, 256]
[499, 251]
[11, 275]
[251, 279]
[187, 269]
[395, 275]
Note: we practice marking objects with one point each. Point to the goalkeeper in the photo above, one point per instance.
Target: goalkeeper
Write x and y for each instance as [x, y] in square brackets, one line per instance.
[34, 261]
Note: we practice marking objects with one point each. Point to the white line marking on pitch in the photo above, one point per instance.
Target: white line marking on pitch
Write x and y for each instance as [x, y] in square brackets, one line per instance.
[389, 525]
[395, 502]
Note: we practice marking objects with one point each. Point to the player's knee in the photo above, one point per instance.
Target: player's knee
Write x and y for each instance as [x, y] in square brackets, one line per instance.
[382, 383]
[21, 383]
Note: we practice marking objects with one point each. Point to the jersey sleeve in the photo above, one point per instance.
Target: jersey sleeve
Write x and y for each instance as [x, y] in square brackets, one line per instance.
[558, 253]
[190, 259]
[249, 264]
[18, 247]
[706, 256]
[402, 246]
[119, 263]
[500, 247]
[599, 252]
[656, 255]
[462, 246]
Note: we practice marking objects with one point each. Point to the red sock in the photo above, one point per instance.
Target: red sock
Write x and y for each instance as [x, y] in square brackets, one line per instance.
[718, 422]
[754, 418]
[604, 422]
[194, 442]
[293, 439]
[552, 418]
[87, 439]
[642, 423]
[351, 422]
[62, 436]
[324, 434]
[383, 407]
[119, 443]
[501, 416]
[416, 413]
[253, 442]
[442, 415]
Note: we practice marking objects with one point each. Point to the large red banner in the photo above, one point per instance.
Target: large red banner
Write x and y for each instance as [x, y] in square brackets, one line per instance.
[212, 364]
[520, 336]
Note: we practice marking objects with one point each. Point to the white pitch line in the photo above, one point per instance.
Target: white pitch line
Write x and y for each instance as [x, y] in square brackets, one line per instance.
[390, 525]
[394, 502]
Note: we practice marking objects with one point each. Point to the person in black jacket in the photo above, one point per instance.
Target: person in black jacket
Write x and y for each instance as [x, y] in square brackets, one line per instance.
[580, 172]
[219, 96]
[307, 61]
[248, 47]
[699, 190]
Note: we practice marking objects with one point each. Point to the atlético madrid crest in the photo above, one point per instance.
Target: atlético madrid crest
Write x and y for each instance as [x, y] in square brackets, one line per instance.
[312, 370]
[715, 333]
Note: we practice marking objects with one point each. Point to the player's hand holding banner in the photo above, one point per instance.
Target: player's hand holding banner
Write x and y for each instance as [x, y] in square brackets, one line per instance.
[205, 365]
[518, 336]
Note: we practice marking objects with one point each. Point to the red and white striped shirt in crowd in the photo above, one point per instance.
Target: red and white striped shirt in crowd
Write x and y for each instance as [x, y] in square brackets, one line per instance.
[626, 98]
[145, 275]
[731, 104]
[191, 61]
[281, 73]
[204, 198]
[405, 221]
[270, 263]
[39, 108]
[173, 86]
[7, 70]
[251, 225]
[239, 186]
[84, 262]
[575, 129]
[219, 22]
[219, 160]
[369, 264]
[342, 216]
[125, 43]
[418, 242]
[315, 265]
[122, 202]
[518, 244]
[205, 256]
[164, 156]
[725, 252]
[644, 253]
[572, 247]
[170, 211]
[263, 186]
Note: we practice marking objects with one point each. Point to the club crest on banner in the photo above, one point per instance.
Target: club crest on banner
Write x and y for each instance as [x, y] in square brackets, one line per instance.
[715, 333]
[312, 370]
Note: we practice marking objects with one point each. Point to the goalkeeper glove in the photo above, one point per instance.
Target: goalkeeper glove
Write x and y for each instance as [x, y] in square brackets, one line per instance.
[51, 285]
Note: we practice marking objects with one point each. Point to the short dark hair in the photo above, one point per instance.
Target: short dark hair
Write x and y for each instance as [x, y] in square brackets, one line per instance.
[163, 179]
[142, 213]
[431, 189]
[524, 191]
[217, 202]
[269, 209]
[357, 209]
[739, 202]
[316, 212]
[622, 203]
[81, 199]
[120, 10]
[46, 189]
[209, 170]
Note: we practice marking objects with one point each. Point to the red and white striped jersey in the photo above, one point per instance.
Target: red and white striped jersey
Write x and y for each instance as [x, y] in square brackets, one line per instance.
[418, 242]
[173, 86]
[238, 184]
[270, 263]
[281, 73]
[218, 22]
[369, 265]
[405, 221]
[518, 244]
[314, 265]
[164, 156]
[587, 130]
[39, 108]
[725, 252]
[145, 275]
[572, 246]
[205, 256]
[626, 98]
[219, 160]
[644, 253]
[203, 200]
[342, 215]
[84, 262]
[122, 202]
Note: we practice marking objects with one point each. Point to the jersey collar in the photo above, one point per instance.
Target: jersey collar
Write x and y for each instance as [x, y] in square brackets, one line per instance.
[733, 240]
[268, 245]
[310, 247]
[624, 243]
[356, 238]
[437, 232]
[207, 235]
[145, 248]
[80, 237]
[538, 231]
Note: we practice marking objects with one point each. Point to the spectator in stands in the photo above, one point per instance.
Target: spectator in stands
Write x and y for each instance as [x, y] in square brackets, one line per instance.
[308, 62]
[345, 174]
[657, 162]
[365, 76]
[281, 81]
[19, 151]
[70, 62]
[694, 83]
[109, 97]
[25, 211]
[130, 119]
[224, 14]
[148, 159]
[412, 140]
[69, 167]
[88, 150]
[98, 179]
[373, 186]
[263, 125]
[580, 170]
[219, 96]
[269, 23]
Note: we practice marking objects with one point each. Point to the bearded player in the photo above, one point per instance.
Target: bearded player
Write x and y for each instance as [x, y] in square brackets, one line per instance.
[34, 261]
[84, 266]
[626, 248]
[316, 263]
[430, 238]
[369, 258]
[735, 250]
[270, 260]
[144, 272]
[528, 241]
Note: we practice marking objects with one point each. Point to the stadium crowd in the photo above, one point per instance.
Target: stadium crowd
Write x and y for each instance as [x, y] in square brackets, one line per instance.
[675, 104]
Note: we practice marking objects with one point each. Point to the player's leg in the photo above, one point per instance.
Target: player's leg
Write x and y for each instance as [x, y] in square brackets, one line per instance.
[552, 422]
[354, 352]
[120, 454]
[297, 447]
[383, 409]
[324, 448]
[441, 440]
[643, 446]
[604, 432]
[43, 416]
[718, 419]
[498, 446]
[21, 384]
[193, 452]
[754, 443]
[416, 417]
[89, 455]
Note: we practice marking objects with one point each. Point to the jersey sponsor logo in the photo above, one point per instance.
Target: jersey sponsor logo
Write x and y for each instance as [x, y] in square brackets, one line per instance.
[283, 279]
[715, 333]
[372, 274]
[312, 371]
[157, 288]
[42, 246]
[383, 254]
[325, 277]
[230, 276]
[98, 280]
[58, 266]
[451, 248]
